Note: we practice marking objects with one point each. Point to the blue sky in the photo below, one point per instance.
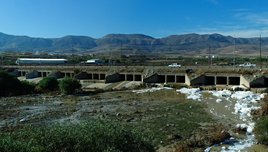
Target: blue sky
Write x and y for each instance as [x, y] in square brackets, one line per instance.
[156, 18]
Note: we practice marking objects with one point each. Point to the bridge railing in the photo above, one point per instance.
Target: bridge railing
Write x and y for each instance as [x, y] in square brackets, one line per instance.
[147, 67]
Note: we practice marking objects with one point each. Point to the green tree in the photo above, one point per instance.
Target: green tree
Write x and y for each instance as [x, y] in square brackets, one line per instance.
[123, 60]
[117, 61]
[69, 85]
[27, 87]
[48, 83]
[9, 84]
[28, 53]
[43, 53]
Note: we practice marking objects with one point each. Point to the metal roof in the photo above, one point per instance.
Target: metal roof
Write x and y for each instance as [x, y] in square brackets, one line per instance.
[36, 59]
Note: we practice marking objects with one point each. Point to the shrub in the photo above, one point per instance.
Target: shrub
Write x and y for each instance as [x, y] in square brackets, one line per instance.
[48, 83]
[261, 130]
[9, 84]
[27, 87]
[69, 85]
[94, 136]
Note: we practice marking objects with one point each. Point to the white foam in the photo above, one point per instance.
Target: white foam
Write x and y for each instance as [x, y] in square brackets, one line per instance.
[219, 100]
[151, 89]
[242, 87]
[242, 107]
[194, 93]
[223, 93]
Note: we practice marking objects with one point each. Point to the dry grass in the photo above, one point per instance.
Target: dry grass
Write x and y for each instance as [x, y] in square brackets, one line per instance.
[240, 130]
[164, 71]
[140, 70]
[238, 71]
[264, 109]
[215, 133]
[98, 69]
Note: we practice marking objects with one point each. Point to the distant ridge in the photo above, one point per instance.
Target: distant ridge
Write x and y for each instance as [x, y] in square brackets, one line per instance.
[187, 44]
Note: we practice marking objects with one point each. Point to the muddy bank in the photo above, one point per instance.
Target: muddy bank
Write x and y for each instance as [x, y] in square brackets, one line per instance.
[172, 116]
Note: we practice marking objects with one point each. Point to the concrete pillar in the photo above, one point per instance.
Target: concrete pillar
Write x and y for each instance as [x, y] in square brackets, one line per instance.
[175, 79]
[165, 78]
[215, 80]
[227, 80]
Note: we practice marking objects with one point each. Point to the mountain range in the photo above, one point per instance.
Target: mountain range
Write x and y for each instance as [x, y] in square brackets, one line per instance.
[187, 44]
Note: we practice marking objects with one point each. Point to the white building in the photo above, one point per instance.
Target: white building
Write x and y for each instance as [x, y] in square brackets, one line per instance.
[95, 61]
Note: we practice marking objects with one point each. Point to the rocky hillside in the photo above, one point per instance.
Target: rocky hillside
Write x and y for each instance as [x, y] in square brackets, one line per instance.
[188, 44]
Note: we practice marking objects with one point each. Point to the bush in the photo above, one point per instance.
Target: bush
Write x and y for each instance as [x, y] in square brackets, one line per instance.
[27, 87]
[261, 130]
[9, 84]
[96, 136]
[48, 83]
[69, 85]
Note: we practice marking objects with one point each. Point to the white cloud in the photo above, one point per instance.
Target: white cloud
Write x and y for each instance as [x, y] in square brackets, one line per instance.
[187, 18]
[241, 9]
[253, 18]
[239, 33]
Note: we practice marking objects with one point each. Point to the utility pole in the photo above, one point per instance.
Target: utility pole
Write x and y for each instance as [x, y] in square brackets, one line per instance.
[260, 55]
[210, 57]
[110, 60]
[73, 57]
[121, 54]
[209, 54]
[234, 54]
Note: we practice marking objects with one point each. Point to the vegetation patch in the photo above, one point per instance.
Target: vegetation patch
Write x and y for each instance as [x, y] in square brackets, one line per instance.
[48, 83]
[173, 115]
[86, 136]
[69, 85]
[261, 123]
[10, 85]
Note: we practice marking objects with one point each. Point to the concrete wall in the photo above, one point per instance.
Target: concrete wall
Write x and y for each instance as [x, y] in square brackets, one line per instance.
[81, 76]
[243, 81]
[16, 73]
[187, 80]
[112, 78]
[260, 82]
[199, 80]
[31, 75]
[151, 79]
[57, 74]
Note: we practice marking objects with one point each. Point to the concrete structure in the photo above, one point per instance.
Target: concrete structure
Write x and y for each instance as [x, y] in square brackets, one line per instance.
[167, 76]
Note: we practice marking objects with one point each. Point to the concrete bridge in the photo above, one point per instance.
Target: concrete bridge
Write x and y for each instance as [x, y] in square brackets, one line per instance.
[108, 74]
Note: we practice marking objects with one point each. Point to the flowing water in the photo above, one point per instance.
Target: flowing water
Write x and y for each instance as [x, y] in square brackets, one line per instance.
[232, 109]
